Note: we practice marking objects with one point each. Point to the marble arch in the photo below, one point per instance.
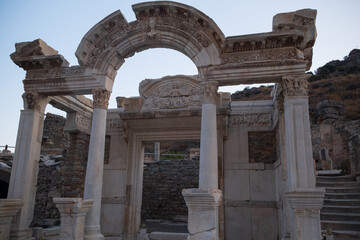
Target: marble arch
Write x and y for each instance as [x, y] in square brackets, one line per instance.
[235, 197]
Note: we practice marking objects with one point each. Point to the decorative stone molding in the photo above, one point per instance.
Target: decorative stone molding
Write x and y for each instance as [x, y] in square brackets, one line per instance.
[72, 212]
[8, 209]
[60, 72]
[203, 205]
[101, 98]
[78, 121]
[251, 119]
[209, 92]
[114, 124]
[295, 85]
[175, 92]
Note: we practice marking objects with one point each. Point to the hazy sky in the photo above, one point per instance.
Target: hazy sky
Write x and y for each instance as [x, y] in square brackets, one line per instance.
[62, 24]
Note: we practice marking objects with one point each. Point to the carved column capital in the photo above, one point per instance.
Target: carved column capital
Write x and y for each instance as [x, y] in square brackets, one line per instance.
[295, 85]
[31, 100]
[34, 101]
[209, 92]
[101, 98]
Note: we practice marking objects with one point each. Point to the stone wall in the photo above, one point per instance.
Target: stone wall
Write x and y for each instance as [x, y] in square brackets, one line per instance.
[162, 187]
[73, 169]
[54, 139]
[48, 186]
[331, 136]
[262, 147]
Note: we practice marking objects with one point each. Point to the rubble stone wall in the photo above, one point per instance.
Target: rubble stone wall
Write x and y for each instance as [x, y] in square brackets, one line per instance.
[162, 187]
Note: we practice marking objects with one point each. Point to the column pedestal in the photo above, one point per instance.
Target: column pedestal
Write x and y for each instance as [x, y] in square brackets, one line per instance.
[72, 212]
[8, 209]
[203, 219]
[305, 205]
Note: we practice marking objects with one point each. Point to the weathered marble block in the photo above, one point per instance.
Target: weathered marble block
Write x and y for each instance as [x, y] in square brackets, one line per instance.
[203, 219]
[8, 209]
[72, 212]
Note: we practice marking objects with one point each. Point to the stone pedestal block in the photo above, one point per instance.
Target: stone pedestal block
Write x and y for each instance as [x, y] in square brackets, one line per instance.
[305, 206]
[72, 211]
[8, 209]
[203, 219]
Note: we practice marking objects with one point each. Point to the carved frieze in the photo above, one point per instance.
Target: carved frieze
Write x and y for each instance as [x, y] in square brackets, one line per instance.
[178, 92]
[114, 124]
[61, 72]
[101, 98]
[295, 85]
[251, 120]
[83, 122]
[264, 55]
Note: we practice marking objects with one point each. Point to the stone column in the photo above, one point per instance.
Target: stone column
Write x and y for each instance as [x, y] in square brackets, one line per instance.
[208, 176]
[304, 198]
[203, 203]
[157, 151]
[8, 209]
[26, 162]
[95, 164]
[72, 212]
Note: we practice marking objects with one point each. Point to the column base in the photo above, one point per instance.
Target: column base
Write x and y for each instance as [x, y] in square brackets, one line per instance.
[72, 212]
[8, 209]
[93, 232]
[203, 219]
[305, 206]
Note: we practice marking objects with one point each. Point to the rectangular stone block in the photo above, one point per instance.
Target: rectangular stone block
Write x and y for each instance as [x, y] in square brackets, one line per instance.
[262, 185]
[236, 185]
[114, 184]
[112, 219]
[237, 223]
[264, 223]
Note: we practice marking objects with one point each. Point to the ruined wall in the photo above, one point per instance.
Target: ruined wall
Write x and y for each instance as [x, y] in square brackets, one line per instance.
[54, 139]
[48, 186]
[262, 147]
[331, 136]
[162, 187]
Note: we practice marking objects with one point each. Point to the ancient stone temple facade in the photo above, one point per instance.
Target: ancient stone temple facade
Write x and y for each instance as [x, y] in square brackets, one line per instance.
[242, 194]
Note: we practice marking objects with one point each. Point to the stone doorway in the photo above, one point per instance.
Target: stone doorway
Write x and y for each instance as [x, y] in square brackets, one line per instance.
[169, 167]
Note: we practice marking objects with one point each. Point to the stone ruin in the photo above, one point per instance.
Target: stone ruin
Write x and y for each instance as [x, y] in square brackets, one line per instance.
[269, 194]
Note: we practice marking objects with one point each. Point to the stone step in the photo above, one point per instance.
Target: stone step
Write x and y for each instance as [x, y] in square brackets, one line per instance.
[337, 184]
[340, 225]
[168, 236]
[346, 234]
[340, 209]
[342, 196]
[342, 202]
[346, 178]
[342, 190]
[340, 216]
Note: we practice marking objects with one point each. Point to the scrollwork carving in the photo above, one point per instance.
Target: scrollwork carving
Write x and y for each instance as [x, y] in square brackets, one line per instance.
[83, 122]
[101, 98]
[251, 119]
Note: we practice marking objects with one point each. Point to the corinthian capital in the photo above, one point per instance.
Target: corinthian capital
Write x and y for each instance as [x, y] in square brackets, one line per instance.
[295, 85]
[209, 92]
[101, 98]
[31, 100]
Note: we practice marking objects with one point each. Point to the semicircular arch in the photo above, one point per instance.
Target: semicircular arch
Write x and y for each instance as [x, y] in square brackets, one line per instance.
[158, 25]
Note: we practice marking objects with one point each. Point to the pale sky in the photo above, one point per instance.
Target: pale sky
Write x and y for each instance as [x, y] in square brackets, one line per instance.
[62, 24]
